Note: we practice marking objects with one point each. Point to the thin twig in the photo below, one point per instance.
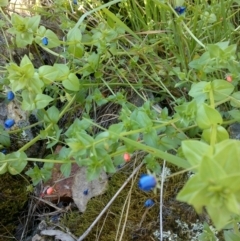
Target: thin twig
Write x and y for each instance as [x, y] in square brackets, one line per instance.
[100, 232]
[122, 213]
[121, 217]
[49, 203]
[128, 200]
[84, 235]
[161, 201]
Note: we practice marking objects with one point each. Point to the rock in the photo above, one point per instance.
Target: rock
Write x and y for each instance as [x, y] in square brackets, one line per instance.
[75, 186]
[3, 113]
[38, 238]
[83, 191]
[234, 131]
[59, 235]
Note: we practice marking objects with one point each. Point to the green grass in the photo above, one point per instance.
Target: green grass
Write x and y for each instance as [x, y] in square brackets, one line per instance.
[105, 55]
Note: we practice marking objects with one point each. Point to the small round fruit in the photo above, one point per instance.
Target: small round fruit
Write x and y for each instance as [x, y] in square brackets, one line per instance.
[126, 157]
[50, 190]
[229, 78]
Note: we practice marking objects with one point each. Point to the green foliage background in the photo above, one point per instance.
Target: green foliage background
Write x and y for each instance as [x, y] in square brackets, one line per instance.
[104, 52]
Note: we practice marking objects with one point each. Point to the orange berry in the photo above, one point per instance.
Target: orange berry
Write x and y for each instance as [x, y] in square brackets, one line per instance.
[229, 78]
[126, 157]
[50, 190]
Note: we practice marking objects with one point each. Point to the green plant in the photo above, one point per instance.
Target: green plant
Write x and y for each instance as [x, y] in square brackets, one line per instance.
[100, 64]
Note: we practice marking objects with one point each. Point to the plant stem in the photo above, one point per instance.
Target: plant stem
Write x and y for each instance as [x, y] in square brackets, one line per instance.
[95, 10]
[161, 200]
[34, 140]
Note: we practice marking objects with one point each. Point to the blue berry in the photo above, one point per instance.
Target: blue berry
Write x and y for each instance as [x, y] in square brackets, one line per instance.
[45, 41]
[10, 95]
[148, 203]
[9, 123]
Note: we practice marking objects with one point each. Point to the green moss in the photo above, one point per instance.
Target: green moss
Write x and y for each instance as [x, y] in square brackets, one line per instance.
[107, 227]
[13, 196]
[141, 222]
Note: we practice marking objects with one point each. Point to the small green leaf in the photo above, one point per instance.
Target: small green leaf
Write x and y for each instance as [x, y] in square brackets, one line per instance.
[75, 45]
[223, 45]
[35, 85]
[211, 171]
[152, 164]
[76, 50]
[93, 64]
[194, 151]
[212, 18]
[187, 112]
[224, 153]
[151, 138]
[46, 173]
[52, 38]
[207, 234]
[64, 153]
[72, 82]
[198, 91]
[55, 132]
[33, 23]
[80, 143]
[214, 50]
[219, 215]
[28, 101]
[77, 126]
[108, 164]
[143, 119]
[4, 138]
[207, 116]
[99, 98]
[52, 115]
[16, 162]
[235, 100]
[3, 165]
[235, 114]
[221, 134]
[36, 174]
[41, 101]
[191, 189]
[204, 64]
[48, 74]
[229, 235]
[115, 130]
[232, 203]
[74, 35]
[169, 143]
[66, 168]
[93, 173]
[221, 89]
[62, 70]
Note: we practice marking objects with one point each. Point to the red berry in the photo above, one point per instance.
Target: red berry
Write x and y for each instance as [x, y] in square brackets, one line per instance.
[229, 78]
[126, 157]
[50, 190]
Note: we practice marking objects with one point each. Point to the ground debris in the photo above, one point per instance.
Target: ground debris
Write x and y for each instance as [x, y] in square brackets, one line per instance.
[57, 234]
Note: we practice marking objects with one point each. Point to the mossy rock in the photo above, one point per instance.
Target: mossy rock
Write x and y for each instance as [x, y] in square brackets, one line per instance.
[13, 197]
[139, 222]
[132, 219]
